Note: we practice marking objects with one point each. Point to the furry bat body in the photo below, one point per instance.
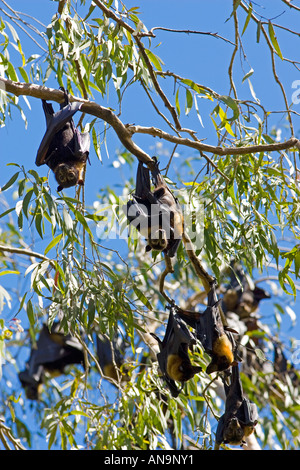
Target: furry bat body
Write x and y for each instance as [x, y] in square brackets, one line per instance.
[63, 148]
[110, 359]
[53, 352]
[242, 296]
[240, 417]
[156, 214]
[216, 338]
[173, 358]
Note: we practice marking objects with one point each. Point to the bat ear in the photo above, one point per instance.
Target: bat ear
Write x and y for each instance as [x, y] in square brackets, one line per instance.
[59, 188]
[148, 248]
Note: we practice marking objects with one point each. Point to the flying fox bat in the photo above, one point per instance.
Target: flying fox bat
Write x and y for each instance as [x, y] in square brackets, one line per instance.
[215, 337]
[63, 148]
[242, 296]
[53, 352]
[173, 358]
[240, 417]
[107, 358]
[156, 214]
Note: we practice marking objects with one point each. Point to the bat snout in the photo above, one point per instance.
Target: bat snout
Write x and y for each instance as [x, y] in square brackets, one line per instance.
[234, 433]
[158, 240]
[66, 175]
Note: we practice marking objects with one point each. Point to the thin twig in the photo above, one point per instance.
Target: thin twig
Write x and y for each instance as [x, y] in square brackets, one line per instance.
[187, 31]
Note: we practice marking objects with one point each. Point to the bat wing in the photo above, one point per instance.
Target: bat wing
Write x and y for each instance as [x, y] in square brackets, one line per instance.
[137, 208]
[173, 247]
[83, 142]
[55, 350]
[162, 358]
[250, 414]
[207, 326]
[32, 377]
[47, 350]
[177, 333]
[220, 430]
[54, 122]
[105, 353]
[143, 184]
[174, 350]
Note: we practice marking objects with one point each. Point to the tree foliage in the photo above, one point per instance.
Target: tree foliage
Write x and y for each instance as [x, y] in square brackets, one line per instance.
[241, 187]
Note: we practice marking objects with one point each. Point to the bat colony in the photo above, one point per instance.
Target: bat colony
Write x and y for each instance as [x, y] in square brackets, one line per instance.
[157, 215]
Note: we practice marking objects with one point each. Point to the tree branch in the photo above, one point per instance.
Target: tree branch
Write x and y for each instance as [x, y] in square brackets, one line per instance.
[188, 31]
[125, 132]
[42, 92]
[169, 269]
[145, 57]
[23, 251]
[217, 150]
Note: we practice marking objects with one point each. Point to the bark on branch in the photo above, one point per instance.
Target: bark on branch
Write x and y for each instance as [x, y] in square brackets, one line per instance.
[94, 109]
[125, 132]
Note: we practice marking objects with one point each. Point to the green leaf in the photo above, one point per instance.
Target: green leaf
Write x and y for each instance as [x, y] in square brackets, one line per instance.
[53, 243]
[7, 271]
[29, 311]
[83, 221]
[156, 61]
[177, 102]
[258, 30]
[140, 295]
[247, 19]
[68, 221]
[297, 264]
[24, 74]
[189, 101]
[274, 40]
[26, 202]
[248, 74]
[232, 104]
[7, 212]
[91, 312]
[10, 182]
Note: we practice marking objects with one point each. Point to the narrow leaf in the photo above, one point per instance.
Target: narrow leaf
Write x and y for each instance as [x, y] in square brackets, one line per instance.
[274, 40]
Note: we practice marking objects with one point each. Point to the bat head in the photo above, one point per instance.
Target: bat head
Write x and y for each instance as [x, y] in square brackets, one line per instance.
[222, 355]
[260, 294]
[218, 364]
[158, 241]
[180, 368]
[67, 175]
[231, 299]
[233, 432]
[110, 371]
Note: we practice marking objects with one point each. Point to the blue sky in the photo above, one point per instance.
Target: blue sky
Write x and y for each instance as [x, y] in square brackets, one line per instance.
[201, 58]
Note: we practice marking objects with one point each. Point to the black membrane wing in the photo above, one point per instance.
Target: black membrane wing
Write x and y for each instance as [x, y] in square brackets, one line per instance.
[52, 353]
[54, 122]
[110, 354]
[240, 415]
[176, 342]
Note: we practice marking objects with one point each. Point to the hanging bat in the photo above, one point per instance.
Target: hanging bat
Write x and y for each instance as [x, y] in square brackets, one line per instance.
[156, 214]
[173, 358]
[110, 359]
[240, 417]
[242, 296]
[215, 337]
[63, 148]
[32, 378]
[53, 352]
